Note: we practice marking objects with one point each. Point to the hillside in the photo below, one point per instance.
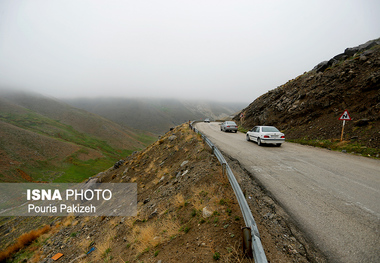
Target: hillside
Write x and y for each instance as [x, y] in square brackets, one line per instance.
[307, 108]
[177, 178]
[154, 115]
[43, 139]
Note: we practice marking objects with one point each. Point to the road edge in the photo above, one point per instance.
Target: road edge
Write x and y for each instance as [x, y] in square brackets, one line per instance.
[313, 253]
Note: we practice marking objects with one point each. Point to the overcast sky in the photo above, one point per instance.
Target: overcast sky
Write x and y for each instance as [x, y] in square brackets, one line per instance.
[214, 49]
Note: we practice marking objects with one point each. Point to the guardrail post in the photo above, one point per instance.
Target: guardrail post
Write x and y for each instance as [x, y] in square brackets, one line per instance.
[224, 169]
[247, 241]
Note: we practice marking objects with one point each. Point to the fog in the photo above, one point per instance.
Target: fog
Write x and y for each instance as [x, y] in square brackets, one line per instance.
[209, 49]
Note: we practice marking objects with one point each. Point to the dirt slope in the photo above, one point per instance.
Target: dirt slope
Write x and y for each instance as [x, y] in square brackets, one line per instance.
[309, 106]
[177, 177]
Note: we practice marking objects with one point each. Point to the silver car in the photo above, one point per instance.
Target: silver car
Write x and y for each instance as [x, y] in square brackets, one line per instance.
[228, 126]
[265, 135]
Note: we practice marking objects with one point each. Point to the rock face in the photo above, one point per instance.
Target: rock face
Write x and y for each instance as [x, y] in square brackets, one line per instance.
[310, 105]
[348, 52]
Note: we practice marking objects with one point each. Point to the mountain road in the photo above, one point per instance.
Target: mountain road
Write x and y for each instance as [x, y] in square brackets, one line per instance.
[333, 197]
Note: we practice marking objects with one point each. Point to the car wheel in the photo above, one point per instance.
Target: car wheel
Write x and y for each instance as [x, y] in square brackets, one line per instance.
[247, 137]
[278, 144]
[235, 131]
[258, 142]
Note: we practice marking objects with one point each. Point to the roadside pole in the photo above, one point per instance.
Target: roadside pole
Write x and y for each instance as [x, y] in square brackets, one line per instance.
[344, 117]
[341, 136]
[241, 119]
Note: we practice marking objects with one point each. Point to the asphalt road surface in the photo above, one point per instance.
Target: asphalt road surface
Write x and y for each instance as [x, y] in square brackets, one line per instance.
[334, 197]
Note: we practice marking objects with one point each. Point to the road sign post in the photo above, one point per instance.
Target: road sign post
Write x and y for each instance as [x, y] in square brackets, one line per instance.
[341, 136]
[241, 118]
[344, 117]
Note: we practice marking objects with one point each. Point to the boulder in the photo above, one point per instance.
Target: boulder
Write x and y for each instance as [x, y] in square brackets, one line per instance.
[153, 214]
[351, 51]
[172, 138]
[118, 164]
[322, 66]
[206, 212]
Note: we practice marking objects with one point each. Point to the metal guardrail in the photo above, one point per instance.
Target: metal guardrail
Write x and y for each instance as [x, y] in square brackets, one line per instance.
[257, 247]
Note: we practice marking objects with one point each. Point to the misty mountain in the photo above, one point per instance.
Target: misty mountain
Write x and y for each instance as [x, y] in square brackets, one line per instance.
[154, 115]
[44, 139]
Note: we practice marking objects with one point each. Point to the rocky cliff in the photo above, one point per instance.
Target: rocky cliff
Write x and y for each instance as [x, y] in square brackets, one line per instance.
[309, 106]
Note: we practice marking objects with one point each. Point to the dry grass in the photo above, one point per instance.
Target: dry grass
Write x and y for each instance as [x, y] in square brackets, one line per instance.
[150, 234]
[189, 137]
[140, 156]
[343, 143]
[145, 238]
[23, 241]
[142, 214]
[68, 221]
[235, 255]
[129, 223]
[204, 196]
[85, 244]
[104, 247]
[36, 257]
[152, 166]
[169, 227]
[155, 181]
[102, 251]
[85, 220]
[222, 178]
[162, 172]
[114, 221]
[179, 201]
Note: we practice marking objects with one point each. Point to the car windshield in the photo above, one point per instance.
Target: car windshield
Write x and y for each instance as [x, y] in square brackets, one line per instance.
[270, 129]
[230, 123]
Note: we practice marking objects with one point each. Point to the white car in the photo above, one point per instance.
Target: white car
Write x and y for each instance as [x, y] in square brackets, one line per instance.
[265, 135]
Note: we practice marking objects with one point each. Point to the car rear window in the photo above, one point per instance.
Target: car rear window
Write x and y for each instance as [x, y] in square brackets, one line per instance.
[231, 122]
[270, 129]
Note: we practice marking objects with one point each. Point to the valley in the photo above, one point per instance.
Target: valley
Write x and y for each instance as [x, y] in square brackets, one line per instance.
[45, 140]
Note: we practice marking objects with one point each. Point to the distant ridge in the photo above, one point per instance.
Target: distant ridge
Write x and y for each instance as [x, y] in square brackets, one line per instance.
[45, 139]
[154, 115]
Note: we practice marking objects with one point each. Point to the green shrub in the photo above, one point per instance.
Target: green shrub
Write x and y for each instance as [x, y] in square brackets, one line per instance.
[216, 256]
